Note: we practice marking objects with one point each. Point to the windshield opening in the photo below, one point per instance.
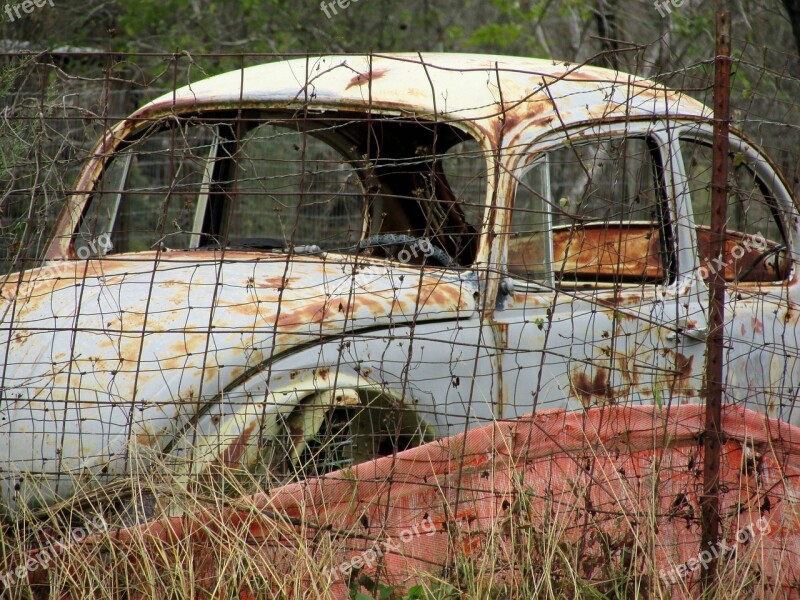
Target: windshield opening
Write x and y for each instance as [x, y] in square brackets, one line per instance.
[337, 182]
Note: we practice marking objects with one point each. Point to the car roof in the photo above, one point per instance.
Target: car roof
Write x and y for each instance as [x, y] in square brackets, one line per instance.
[496, 93]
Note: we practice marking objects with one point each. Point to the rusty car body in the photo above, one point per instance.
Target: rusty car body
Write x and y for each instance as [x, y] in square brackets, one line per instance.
[304, 264]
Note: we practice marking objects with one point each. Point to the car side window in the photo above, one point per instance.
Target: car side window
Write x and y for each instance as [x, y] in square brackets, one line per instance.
[148, 194]
[755, 246]
[589, 212]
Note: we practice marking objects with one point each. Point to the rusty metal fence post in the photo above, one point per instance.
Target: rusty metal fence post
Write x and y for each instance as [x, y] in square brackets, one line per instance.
[712, 438]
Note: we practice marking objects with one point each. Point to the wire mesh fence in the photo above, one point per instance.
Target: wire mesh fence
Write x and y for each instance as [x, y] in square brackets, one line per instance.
[328, 324]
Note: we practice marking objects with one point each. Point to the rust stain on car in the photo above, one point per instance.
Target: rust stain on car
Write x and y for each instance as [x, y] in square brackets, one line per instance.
[588, 388]
[278, 283]
[363, 78]
[232, 454]
[683, 384]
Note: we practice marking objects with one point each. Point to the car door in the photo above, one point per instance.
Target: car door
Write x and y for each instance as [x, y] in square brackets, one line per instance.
[598, 259]
[761, 371]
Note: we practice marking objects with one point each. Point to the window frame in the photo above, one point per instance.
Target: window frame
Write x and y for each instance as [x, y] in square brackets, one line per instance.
[218, 182]
[762, 167]
[659, 145]
[124, 151]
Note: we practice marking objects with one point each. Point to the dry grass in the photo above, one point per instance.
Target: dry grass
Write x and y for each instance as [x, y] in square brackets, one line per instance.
[225, 546]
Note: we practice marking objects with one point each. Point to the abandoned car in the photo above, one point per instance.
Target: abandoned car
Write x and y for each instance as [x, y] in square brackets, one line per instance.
[300, 265]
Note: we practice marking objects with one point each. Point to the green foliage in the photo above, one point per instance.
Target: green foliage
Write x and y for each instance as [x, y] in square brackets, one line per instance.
[511, 32]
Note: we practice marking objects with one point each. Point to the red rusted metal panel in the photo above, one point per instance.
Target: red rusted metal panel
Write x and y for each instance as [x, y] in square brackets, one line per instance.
[595, 476]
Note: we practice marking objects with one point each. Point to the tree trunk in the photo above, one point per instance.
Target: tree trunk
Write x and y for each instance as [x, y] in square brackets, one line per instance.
[793, 8]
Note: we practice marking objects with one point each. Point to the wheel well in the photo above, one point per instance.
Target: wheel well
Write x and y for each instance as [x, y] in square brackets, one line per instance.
[329, 431]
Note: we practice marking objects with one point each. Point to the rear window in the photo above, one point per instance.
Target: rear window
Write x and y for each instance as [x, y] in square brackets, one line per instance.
[755, 245]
